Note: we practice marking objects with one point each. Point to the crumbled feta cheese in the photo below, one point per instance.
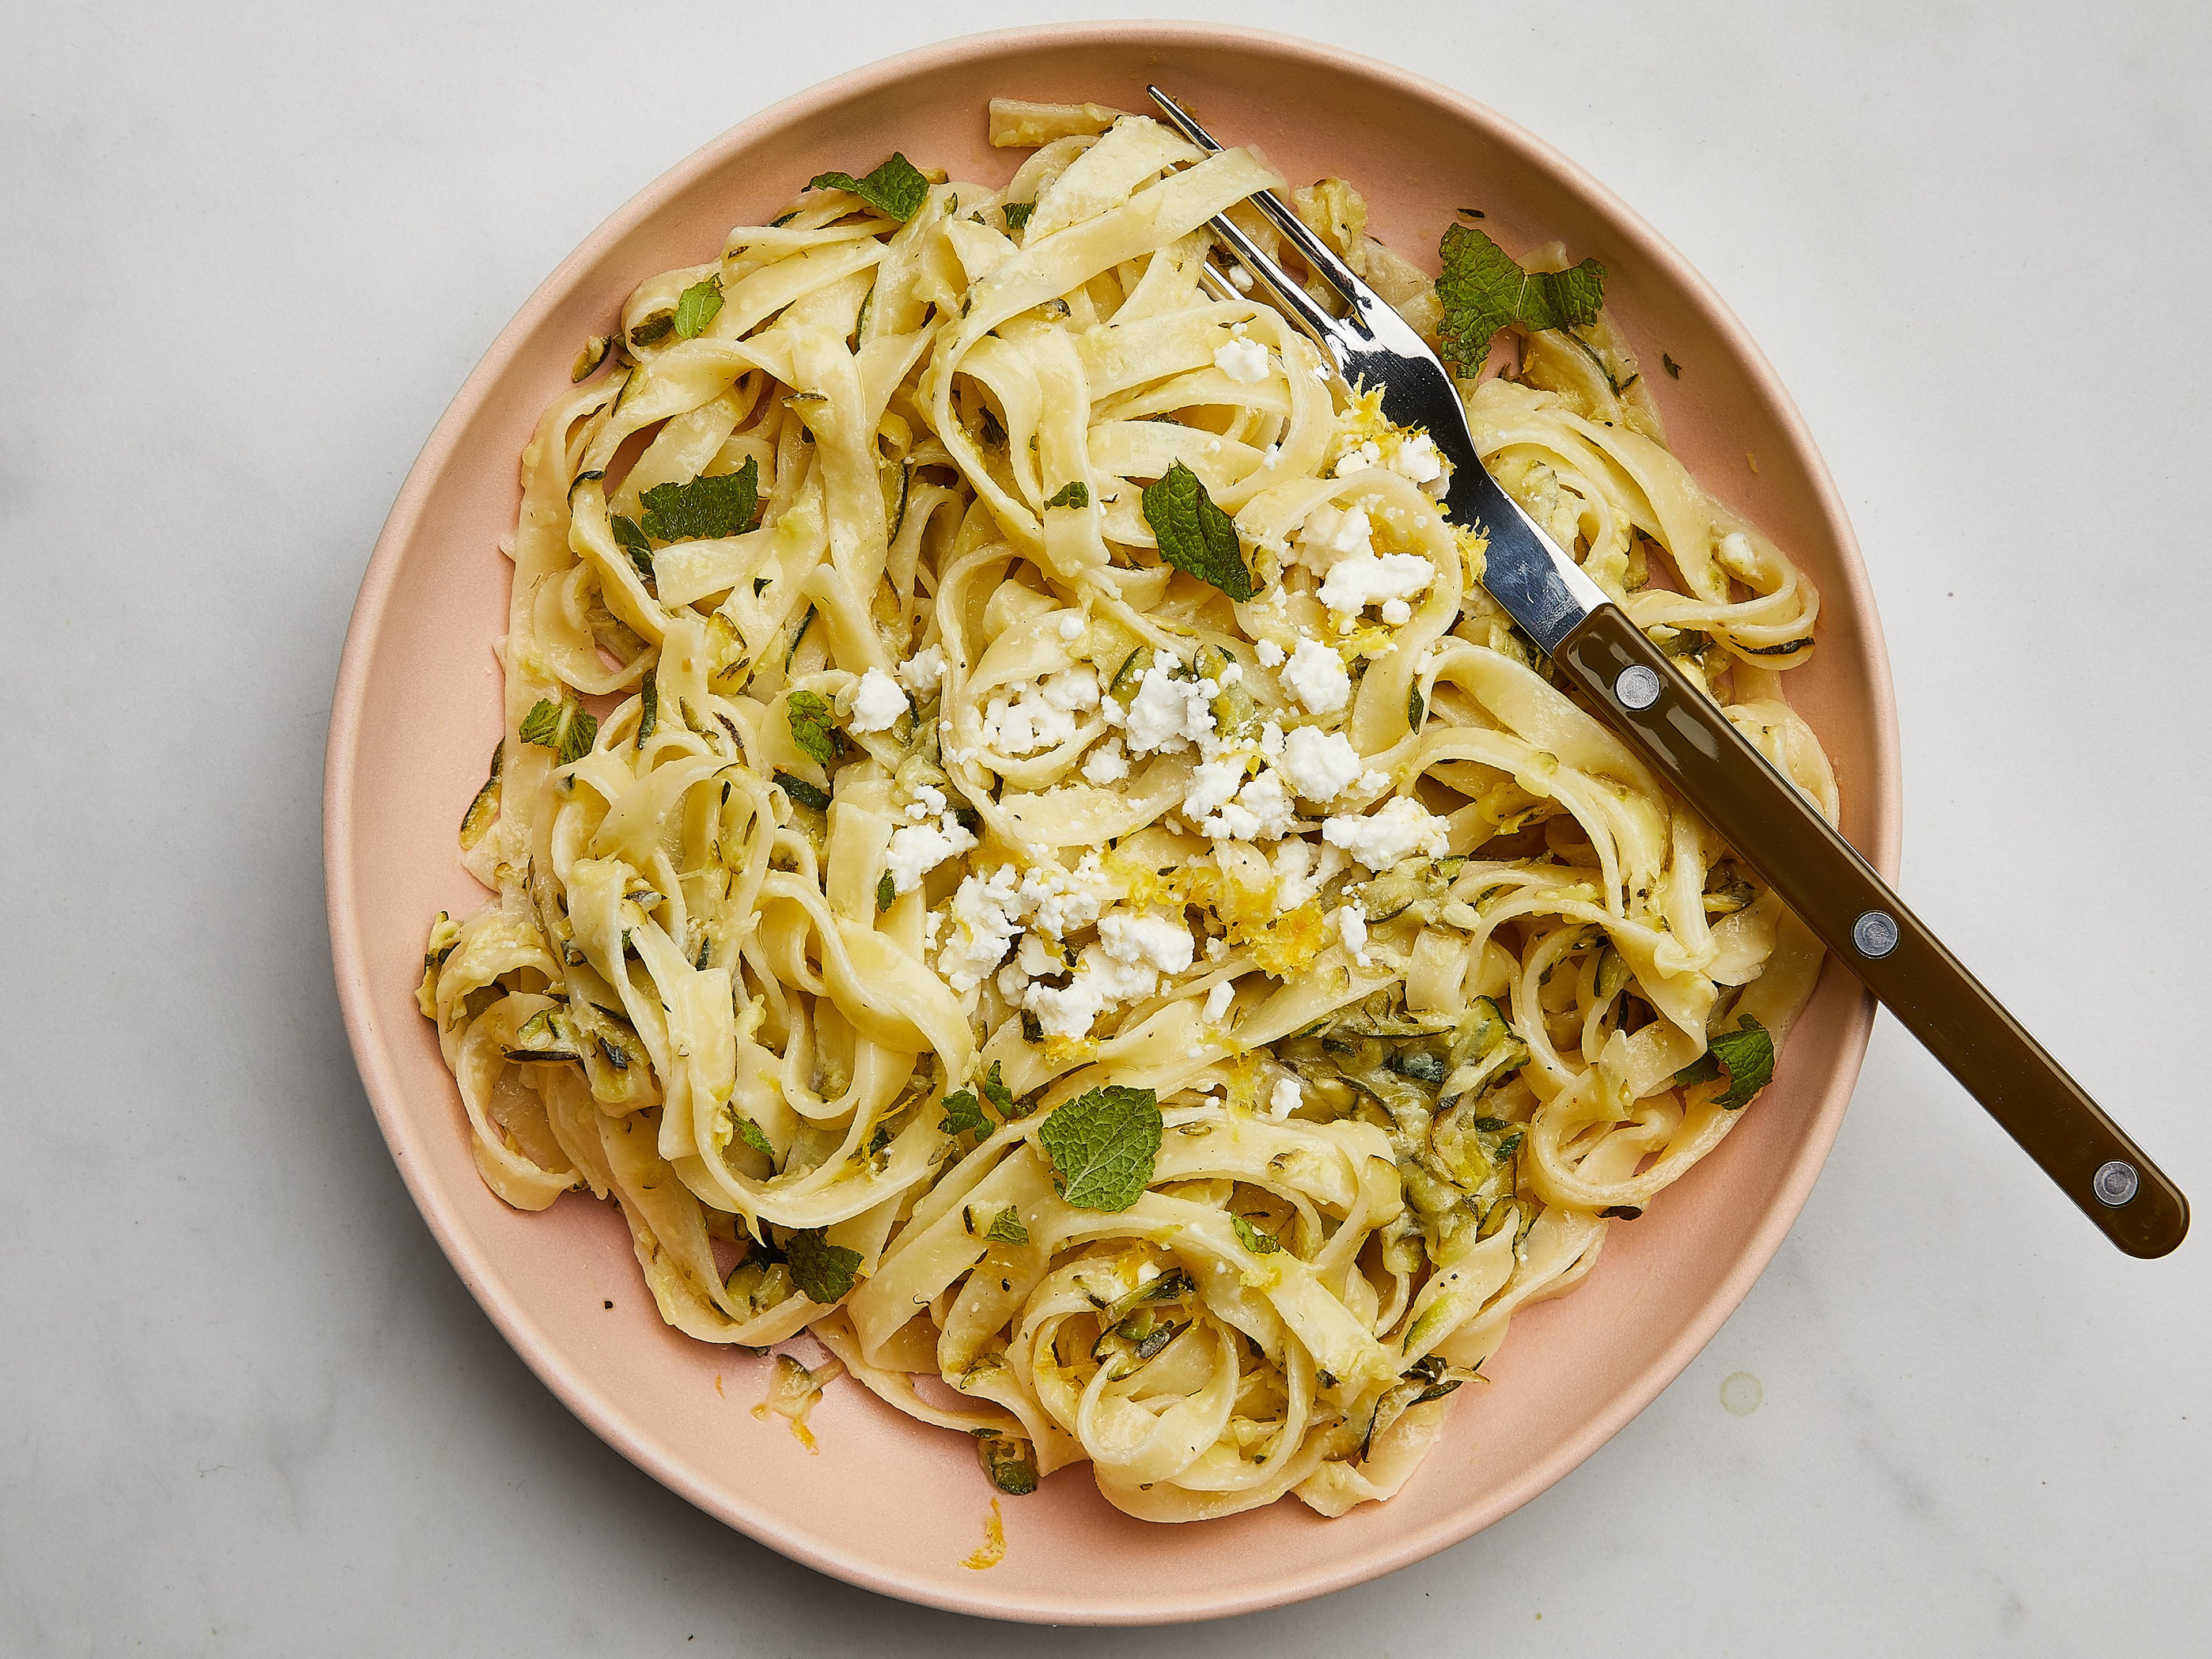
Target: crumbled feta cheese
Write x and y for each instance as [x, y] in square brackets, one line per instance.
[1321, 765]
[1330, 533]
[1243, 360]
[1358, 458]
[1157, 942]
[1351, 928]
[1270, 653]
[1038, 959]
[1218, 1000]
[1041, 716]
[1417, 459]
[1316, 675]
[1299, 874]
[918, 848]
[923, 671]
[1402, 828]
[1260, 812]
[1355, 583]
[1396, 612]
[1216, 949]
[1013, 980]
[1107, 764]
[1167, 712]
[1285, 1098]
[1212, 784]
[983, 916]
[878, 703]
[1241, 279]
[1133, 950]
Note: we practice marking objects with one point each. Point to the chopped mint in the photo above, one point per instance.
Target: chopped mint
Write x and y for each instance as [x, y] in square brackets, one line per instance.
[1259, 1243]
[896, 187]
[812, 728]
[749, 1132]
[1417, 708]
[658, 326]
[824, 1271]
[1103, 1145]
[1747, 1054]
[999, 1095]
[632, 541]
[1076, 494]
[1483, 289]
[964, 1115]
[728, 504]
[696, 308]
[1195, 536]
[563, 726]
[886, 892]
[1006, 1228]
[648, 715]
[805, 794]
[1018, 215]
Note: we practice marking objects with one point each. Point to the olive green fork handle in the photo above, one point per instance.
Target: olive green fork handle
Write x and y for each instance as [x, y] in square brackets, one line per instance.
[1684, 738]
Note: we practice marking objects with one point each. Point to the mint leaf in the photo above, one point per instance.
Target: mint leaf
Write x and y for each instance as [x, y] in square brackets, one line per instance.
[749, 1132]
[1018, 215]
[696, 308]
[805, 793]
[1482, 290]
[728, 504]
[1103, 1145]
[1747, 1054]
[632, 541]
[963, 1113]
[648, 714]
[1006, 1228]
[811, 726]
[896, 187]
[1252, 1239]
[1076, 494]
[886, 892]
[562, 726]
[1195, 536]
[823, 1271]
[995, 1091]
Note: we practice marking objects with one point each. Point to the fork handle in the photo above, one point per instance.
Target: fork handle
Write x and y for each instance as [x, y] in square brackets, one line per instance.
[1682, 736]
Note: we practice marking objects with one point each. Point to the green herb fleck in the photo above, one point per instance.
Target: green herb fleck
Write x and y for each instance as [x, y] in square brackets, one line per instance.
[805, 794]
[1000, 1096]
[1417, 708]
[1195, 536]
[1006, 1228]
[1073, 493]
[649, 709]
[1260, 1243]
[1483, 290]
[749, 1132]
[1018, 215]
[728, 504]
[812, 725]
[896, 187]
[823, 1271]
[632, 541]
[1674, 369]
[1747, 1054]
[658, 326]
[964, 1116]
[886, 892]
[562, 726]
[696, 308]
[1103, 1145]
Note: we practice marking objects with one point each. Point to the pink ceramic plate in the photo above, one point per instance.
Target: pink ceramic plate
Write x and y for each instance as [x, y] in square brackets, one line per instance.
[888, 1504]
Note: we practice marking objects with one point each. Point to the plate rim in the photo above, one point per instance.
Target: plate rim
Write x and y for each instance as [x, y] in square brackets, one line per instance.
[1882, 797]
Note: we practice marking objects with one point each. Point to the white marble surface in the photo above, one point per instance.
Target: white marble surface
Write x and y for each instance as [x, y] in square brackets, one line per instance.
[251, 251]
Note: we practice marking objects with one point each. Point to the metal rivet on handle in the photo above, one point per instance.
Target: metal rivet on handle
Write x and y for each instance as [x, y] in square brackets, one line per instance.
[1638, 687]
[1874, 933]
[2115, 1183]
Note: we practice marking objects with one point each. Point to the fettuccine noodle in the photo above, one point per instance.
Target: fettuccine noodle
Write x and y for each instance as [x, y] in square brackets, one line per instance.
[939, 801]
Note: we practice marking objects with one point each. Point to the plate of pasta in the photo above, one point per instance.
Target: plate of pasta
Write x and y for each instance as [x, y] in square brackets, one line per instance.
[1041, 1003]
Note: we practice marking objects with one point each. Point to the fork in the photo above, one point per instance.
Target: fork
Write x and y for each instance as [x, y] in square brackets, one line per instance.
[1683, 735]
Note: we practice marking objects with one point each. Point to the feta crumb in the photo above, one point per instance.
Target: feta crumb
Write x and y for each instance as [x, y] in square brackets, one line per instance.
[1132, 952]
[1071, 627]
[1218, 1000]
[1270, 653]
[1330, 533]
[918, 848]
[1216, 949]
[923, 671]
[1358, 458]
[1299, 874]
[1212, 785]
[1402, 828]
[1036, 958]
[1042, 715]
[1142, 939]
[1320, 765]
[878, 703]
[1243, 360]
[1354, 584]
[1316, 675]
[1285, 1098]
[983, 926]
[1351, 928]
[1240, 279]
[1396, 612]
[1167, 712]
[1417, 459]
[1107, 764]
[1262, 812]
